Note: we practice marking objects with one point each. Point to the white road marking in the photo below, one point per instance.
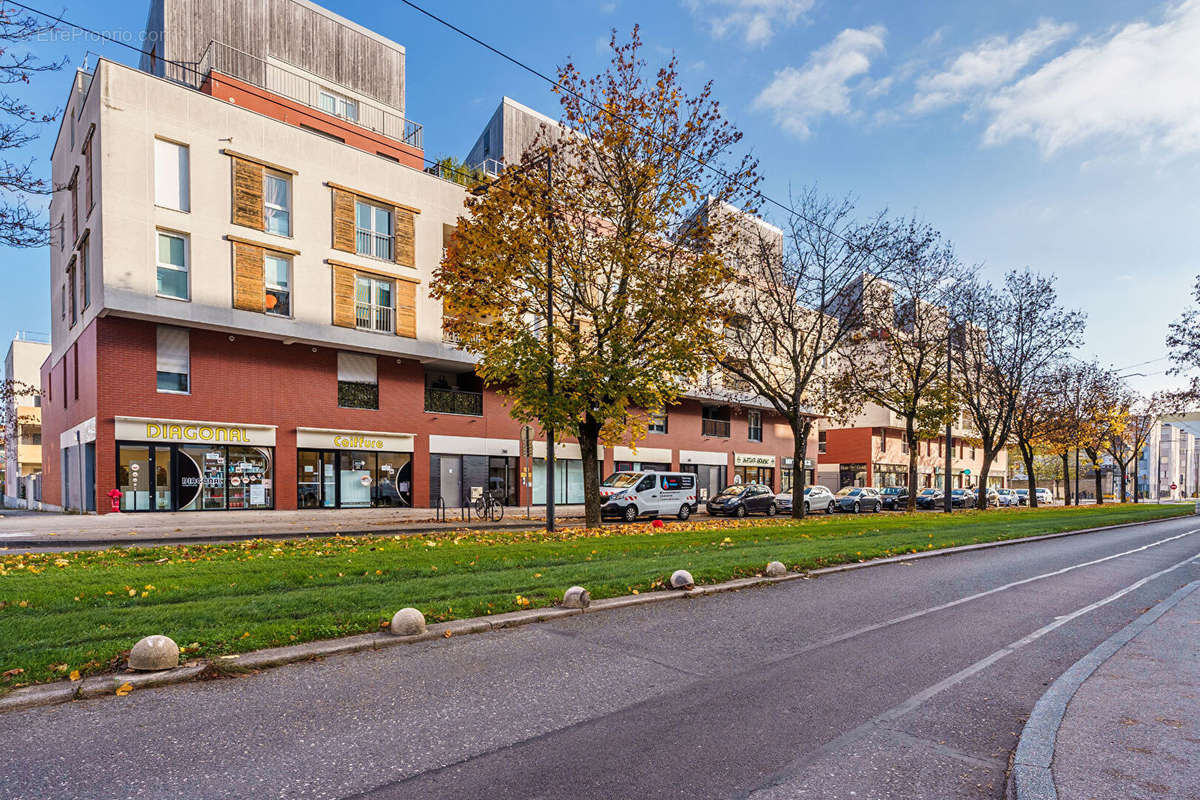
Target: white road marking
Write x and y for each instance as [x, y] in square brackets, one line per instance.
[915, 701]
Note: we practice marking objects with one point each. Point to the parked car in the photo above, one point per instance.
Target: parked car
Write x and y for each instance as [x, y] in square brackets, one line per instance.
[742, 499]
[816, 498]
[962, 498]
[894, 497]
[857, 499]
[1022, 496]
[629, 495]
[929, 498]
[993, 496]
[1008, 497]
[1045, 497]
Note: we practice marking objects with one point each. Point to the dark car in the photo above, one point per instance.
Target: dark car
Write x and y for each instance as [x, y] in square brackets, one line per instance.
[963, 498]
[894, 497]
[930, 498]
[1022, 496]
[856, 499]
[742, 499]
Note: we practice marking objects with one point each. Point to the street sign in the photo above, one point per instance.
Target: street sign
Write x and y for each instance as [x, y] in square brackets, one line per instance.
[527, 440]
[1173, 487]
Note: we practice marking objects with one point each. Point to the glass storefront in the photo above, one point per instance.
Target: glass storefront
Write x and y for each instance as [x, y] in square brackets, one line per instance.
[353, 479]
[568, 481]
[888, 475]
[205, 477]
[852, 475]
[763, 475]
[710, 478]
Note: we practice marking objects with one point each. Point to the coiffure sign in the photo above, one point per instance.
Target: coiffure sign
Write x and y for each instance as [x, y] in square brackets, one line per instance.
[332, 439]
[186, 431]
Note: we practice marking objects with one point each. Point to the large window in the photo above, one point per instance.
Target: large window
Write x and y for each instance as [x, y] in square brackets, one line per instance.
[174, 360]
[339, 105]
[754, 432]
[85, 284]
[277, 275]
[375, 304]
[376, 231]
[172, 266]
[657, 423]
[277, 203]
[71, 289]
[821, 445]
[171, 178]
[358, 381]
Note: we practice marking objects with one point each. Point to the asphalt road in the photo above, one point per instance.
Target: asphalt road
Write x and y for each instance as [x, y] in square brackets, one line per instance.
[904, 681]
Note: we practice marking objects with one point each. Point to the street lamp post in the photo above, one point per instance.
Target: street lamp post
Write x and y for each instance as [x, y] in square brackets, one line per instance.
[947, 502]
[547, 159]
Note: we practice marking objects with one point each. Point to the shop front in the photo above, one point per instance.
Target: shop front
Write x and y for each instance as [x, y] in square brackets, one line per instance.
[709, 468]
[353, 469]
[568, 472]
[182, 465]
[788, 471]
[888, 475]
[750, 468]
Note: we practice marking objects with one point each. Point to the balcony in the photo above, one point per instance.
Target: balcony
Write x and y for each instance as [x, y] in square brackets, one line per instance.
[368, 317]
[715, 427]
[220, 58]
[454, 401]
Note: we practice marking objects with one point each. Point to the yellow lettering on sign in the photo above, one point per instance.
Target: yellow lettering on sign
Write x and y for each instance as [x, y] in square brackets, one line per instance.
[207, 433]
[153, 430]
[174, 431]
[189, 432]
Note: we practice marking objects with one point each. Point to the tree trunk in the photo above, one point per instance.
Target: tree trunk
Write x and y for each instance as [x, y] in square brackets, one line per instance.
[1137, 490]
[981, 502]
[910, 504]
[589, 447]
[1124, 477]
[1066, 459]
[1027, 457]
[801, 426]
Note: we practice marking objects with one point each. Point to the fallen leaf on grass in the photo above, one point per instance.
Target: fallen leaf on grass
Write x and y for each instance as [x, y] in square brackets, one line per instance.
[12, 673]
[74, 675]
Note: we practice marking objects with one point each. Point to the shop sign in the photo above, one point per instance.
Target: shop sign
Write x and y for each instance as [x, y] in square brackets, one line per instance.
[789, 463]
[331, 439]
[749, 460]
[154, 430]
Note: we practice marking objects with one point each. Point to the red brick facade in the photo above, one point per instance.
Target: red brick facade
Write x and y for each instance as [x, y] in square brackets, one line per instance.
[246, 380]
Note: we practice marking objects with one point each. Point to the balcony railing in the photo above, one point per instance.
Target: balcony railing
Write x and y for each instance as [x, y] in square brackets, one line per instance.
[454, 401]
[715, 427]
[370, 317]
[223, 59]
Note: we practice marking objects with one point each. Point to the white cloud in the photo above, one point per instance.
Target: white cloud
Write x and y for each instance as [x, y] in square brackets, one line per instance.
[991, 63]
[753, 20]
[1137, 84]
[822, 85]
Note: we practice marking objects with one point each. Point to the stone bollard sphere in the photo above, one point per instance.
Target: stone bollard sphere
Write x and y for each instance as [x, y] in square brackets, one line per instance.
[154, 653]
[776, 569]
[576, 597]
[408, 622]
[682, 579]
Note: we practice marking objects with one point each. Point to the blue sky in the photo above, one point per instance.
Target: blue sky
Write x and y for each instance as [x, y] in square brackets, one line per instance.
[1063, 136]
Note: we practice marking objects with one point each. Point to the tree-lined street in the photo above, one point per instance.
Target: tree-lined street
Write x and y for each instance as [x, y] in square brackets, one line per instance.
[778, 692]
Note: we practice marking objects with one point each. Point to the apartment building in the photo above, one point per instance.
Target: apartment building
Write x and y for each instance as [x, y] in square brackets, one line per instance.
[23, 436]
[241, 319]
[872, 450]
[1168, 467]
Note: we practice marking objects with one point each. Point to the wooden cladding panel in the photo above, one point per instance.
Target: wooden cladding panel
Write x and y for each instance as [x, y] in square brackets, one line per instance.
[406, 238]
[344, 230]
[343, 297]
[249, 289]
[406, 309]
[248, 194]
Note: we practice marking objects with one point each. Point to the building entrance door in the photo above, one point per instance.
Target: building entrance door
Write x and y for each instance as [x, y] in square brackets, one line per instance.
[450, 473]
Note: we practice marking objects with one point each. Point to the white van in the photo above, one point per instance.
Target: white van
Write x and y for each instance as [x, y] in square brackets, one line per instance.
[629, 495]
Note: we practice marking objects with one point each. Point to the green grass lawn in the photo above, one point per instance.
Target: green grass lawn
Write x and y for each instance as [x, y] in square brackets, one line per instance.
[81, 611]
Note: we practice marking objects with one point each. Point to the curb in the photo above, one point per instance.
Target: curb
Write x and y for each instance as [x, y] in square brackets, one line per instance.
[100, 685]
[1032, 774]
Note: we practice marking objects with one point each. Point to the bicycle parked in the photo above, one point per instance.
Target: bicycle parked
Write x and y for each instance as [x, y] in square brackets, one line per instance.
[488, 506]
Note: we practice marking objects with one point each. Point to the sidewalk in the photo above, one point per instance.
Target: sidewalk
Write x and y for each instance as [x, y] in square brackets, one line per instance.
[1132, 728]
[26, 528]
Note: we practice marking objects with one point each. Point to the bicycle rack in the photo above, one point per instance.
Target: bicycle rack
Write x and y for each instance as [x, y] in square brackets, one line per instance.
[440, 510]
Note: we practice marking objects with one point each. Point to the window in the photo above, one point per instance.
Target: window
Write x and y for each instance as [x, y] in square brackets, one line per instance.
[339, 106]
[171, 175]
[63, 296]
[674, 483]
[754, 432]
[657, 423]
[374, 225]
[645, 484]
[883, 440]
[84, 284]
[821, 441]
[71, 289]
[277, 203]
[358, 381]
[904, 443]
[62, 233]
[174, 360]
[375, 304]
[277, 277]
[74, 187]
[87, 171]
[172, 266]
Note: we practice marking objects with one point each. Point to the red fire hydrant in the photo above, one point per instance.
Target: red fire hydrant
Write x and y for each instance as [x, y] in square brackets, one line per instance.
[115, 496]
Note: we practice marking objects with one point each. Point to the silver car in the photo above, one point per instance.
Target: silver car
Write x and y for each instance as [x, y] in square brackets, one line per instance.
[818, 498]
